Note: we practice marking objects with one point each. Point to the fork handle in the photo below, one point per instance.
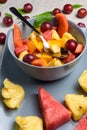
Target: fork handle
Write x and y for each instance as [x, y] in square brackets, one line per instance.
[15, 12]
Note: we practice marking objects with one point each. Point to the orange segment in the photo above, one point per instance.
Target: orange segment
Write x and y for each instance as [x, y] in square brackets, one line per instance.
[31, 47]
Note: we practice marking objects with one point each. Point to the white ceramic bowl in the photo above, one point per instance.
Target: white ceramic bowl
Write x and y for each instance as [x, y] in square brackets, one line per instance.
[47, 73]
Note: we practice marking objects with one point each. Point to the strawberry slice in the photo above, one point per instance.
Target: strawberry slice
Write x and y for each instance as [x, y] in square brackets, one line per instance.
[54, 113]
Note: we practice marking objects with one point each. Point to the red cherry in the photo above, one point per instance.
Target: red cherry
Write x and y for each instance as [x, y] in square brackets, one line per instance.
[82, 25]
[28, 58]
[82, 12]
[46, 26]
[27, 17]
[68, 8]
[3, 1]
[27, 7]
[7, 21]
[56, 11]
[71, 45]
[2, 38]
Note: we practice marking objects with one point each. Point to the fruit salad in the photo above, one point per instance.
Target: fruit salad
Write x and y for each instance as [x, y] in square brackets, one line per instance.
[63, 46]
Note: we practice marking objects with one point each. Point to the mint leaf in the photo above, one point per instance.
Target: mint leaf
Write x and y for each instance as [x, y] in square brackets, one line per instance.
[21, 11]
[40, 18]
[9, 15]
[75, 6]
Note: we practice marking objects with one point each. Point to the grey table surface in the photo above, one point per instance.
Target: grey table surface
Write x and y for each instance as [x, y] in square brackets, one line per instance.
[58, 89]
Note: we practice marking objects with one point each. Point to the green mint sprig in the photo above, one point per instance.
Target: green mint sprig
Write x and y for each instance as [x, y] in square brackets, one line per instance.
[75, 6]
[8, 15]
[40, 18]
[21, 11]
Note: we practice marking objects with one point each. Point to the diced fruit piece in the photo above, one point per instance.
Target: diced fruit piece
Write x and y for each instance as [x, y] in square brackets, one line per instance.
[79, 49]
[20, 49]
[17, 36]
[55, 35]
[77, 104]
[29, 123]
[32, 35]
[55, 45]
[26, 41]
[55, 62]
[62, 54]
[62, 23]
[39, 62]
[47, 35]
[38, 44]
[31, 47]
[22, 54]
[66, 36]
[13, 94]
[82, 124]
[35, 43]
[54, 113]
[69, 58]
[83, 80]
[45, 56]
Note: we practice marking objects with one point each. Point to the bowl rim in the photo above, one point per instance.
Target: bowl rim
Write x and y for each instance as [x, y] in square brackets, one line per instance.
[46, 67]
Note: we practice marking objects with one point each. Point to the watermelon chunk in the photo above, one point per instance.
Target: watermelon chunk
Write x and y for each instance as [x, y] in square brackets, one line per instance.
[53, 112]
[69, 58]
[47, 35]
[82, 124]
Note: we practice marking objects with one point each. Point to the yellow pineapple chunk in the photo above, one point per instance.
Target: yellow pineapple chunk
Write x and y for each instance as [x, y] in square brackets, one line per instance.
[29, 123]
[55, 62]
[83, 80]
[55, 45]
[22, 54]
[13, 94]
[32, 35]
[55, 35]
[38, 44]
[66, 36]
[77, 104]
[47, 57]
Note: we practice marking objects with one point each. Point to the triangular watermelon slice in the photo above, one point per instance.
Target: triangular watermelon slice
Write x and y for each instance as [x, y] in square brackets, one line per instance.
[82, 125]
[54, 113]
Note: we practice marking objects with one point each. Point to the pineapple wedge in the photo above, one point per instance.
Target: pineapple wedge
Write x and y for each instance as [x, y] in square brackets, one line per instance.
[77, 104]
[29, 123]
[13, 94]
[22, 54]
[83, 80]
[54, 62]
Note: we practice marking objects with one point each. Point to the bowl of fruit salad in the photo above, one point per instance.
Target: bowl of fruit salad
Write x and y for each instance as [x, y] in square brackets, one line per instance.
[66, 40]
